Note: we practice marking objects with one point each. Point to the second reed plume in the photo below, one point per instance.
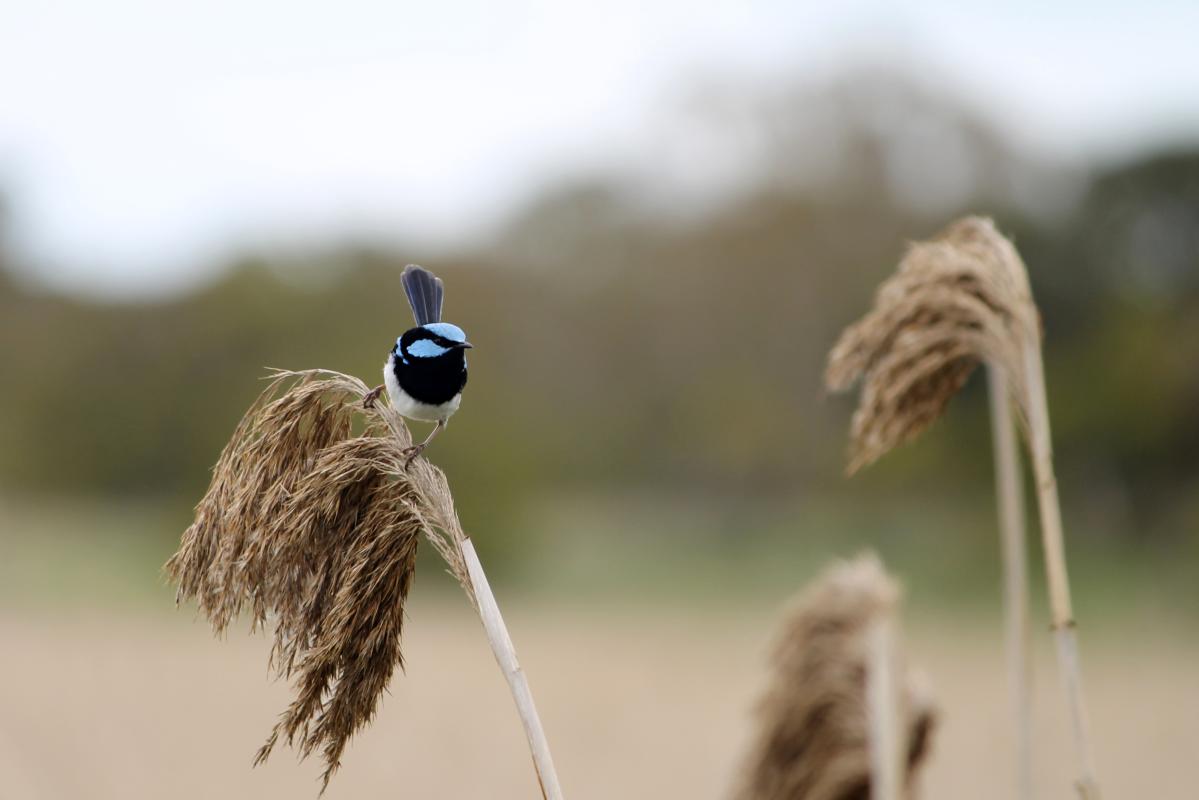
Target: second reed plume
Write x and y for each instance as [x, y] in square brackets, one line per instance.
[957, 301]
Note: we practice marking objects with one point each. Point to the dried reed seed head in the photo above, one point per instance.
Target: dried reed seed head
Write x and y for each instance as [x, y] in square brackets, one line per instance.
[315, 530]
[957, 300]
[813, 737]
[269, 450]
[350, 630]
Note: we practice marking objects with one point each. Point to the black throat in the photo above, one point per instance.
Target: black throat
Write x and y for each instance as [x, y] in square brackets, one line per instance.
[433, 380]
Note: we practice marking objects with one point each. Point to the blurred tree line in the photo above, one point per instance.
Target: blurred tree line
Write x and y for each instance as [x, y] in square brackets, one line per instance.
[628, 338]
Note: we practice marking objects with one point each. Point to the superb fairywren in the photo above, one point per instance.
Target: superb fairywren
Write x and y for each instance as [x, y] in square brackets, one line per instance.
[426, 370]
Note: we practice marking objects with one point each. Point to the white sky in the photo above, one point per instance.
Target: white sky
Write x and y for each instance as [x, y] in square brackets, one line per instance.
[142, 140]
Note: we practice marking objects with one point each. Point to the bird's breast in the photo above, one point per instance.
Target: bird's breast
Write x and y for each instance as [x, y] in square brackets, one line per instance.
[427, 389]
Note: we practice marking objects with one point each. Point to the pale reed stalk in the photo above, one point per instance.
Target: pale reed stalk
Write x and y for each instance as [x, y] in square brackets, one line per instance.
[883, 710]
[505, 656]
[1010, 504]
[1052, 538]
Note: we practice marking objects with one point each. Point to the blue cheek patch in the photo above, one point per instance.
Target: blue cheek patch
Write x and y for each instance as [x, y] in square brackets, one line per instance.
[424, 348]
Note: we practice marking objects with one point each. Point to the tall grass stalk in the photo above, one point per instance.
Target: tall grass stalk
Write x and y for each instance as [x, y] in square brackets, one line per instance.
[882, 710]
[505, 656]
[1052, 539]
[1009, 493]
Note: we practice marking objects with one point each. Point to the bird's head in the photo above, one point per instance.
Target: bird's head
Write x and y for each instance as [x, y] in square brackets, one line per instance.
[434, 340]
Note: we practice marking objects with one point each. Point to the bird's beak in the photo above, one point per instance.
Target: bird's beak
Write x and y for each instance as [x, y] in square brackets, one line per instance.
[466, 346]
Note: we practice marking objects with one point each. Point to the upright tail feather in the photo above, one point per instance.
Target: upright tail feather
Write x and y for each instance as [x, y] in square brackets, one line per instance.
[425, 294]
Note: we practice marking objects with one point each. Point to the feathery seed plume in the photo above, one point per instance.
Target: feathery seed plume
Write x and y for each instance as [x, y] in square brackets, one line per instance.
[957, 300]
[314, 530]
[813, 740]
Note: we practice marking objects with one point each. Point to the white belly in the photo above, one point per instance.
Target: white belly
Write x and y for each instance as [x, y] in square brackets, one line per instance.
[402, 402]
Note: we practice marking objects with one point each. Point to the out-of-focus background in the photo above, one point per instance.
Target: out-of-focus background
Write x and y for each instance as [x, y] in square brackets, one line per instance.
[653, 222]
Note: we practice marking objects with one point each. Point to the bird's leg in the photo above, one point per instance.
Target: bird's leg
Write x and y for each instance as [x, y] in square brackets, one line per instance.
[370, 397]
[416, 449]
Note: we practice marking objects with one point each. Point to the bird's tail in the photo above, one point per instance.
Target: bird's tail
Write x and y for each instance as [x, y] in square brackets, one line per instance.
[425, 293]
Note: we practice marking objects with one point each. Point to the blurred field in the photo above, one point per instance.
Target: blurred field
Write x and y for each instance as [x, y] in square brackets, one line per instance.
[637, 705]
[645, 651]
[646, 655]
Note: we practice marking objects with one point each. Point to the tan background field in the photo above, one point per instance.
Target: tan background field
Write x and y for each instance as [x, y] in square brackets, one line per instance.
[637, 705]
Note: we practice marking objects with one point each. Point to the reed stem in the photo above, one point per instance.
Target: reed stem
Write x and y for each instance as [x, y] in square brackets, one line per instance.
[505, 656]
[1052, 538]
[882, 708]
[1010, 503]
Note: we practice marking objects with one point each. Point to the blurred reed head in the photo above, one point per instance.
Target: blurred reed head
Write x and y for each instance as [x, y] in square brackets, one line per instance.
[813, 730]
[956, 300]
[311, 524]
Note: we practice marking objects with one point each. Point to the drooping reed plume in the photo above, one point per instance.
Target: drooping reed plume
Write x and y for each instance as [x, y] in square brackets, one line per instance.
[821, 735]
[312, 528]
[957, 301]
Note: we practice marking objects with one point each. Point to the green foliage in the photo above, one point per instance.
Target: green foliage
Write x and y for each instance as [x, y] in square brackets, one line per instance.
[641, 355]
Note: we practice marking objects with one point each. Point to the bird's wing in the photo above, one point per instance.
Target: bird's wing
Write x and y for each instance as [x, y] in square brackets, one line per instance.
[425, 294]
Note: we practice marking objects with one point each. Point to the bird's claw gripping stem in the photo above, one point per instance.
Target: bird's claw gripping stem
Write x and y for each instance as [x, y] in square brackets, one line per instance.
[416, 449]
[412, 452]
[370, 397]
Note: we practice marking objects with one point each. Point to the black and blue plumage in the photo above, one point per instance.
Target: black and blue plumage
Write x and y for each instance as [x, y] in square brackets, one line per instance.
[425, 371]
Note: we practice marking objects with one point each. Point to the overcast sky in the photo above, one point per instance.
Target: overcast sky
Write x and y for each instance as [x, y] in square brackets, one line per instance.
[141, 140]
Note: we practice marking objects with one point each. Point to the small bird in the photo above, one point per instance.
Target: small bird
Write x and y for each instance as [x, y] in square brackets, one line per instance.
[426, 370]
